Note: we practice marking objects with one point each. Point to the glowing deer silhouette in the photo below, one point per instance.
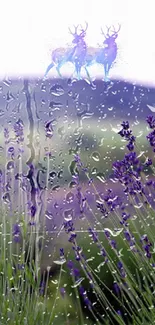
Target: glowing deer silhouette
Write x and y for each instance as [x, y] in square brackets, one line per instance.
[106, 55]
[75, 54]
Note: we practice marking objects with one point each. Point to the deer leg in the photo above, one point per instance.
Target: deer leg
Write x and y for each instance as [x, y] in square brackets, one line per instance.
[78, 70]
[106, 72]
[87, 72]
[51, 65]
[58, 70]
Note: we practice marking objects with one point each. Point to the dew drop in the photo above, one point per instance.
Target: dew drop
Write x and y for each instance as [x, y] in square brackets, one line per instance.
[6, 198]
[10, 165]
[69, 82]
[43, 88]
[60, 262]
[70, 93]
[99, 267]
[68, 214]
[57, 90]
[115, 232]
[48, 215]
[56, 188]
[7, 82]
[69, 197]
[94, 170]
[152, 109]
[1, 112]
[55, 105]
[134, 217]
[11, 150]
[72, 184]
[138, 206]
[60, 174]
[96, 156]
[101, 177]
[77, 283]
[52, 174]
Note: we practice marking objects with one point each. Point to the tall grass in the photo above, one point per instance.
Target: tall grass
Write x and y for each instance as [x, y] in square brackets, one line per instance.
[124, 249]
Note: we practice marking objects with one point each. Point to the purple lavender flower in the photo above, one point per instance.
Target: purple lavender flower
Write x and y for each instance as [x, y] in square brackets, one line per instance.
[74, 271]
[121, 269]
[6, 133]
[33, 211]
[126, 133]
[18, 129]
[83, 293]
[116, 288]
[147, 245]
[16, 233]
[62, 292]
[148, 162]
[93, 234]
[42, 288]
[151, 138]
[151, 121]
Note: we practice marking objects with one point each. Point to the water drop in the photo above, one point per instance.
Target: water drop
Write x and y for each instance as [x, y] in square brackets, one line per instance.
[68, 214]
[152, 109]
[48, 215]
[134, 217]
[57, 90]
[7, 82]
[55, 105]
[139, 205]
[10, 165]
[9, 97]
[96, 156]
[70, 93]
[43, 88]
[69, 82]
[101, 177]
[52, 174]
[69, 197]
[72, 168]
[141, 154]
[11, 150]
[56, 188]
[60, 174]
[99, 266]
[60, 262]
[1, 112]
[77, 283]
[115, 232]
[6, 198]
[94, 170]
[72, 184]
[75, 96]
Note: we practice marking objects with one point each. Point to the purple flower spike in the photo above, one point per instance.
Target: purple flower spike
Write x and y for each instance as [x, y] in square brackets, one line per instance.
[62, 292]
[33, 211]
[116, 288]
[151, 121]
[18, 129]
[16, 232]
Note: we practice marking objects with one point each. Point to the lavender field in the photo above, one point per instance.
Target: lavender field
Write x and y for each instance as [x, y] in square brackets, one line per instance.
[77, 202]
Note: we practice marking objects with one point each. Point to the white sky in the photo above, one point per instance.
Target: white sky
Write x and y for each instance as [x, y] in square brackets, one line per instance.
[30, 28]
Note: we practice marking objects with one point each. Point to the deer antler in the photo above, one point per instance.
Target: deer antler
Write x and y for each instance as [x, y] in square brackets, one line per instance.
[83, 31]
[116, 32]
[75, 31]
[86, 26]
[105, 35]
